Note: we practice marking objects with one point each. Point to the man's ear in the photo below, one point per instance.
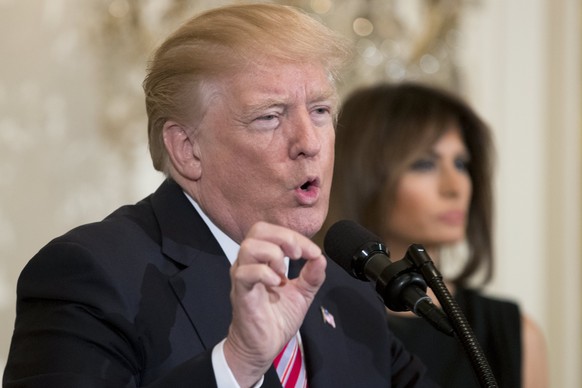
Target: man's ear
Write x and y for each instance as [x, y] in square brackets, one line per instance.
[181, 150]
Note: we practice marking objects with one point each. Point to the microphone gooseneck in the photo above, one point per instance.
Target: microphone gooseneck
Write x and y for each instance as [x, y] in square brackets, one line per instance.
[402, 285]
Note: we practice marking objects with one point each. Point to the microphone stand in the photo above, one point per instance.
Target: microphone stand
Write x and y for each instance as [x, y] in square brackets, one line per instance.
[418, 256]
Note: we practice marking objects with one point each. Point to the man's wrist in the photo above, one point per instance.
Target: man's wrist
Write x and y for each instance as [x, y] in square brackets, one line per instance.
[222, 372]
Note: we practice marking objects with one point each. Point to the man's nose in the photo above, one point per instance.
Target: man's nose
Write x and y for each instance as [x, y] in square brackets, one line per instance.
[305, 136]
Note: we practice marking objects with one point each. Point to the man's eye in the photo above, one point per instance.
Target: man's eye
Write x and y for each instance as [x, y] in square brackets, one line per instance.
[322, 111]
[266, 122]
[321, 115]
[267, 117]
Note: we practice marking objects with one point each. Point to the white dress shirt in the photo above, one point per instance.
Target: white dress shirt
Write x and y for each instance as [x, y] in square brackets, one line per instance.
[222, 373]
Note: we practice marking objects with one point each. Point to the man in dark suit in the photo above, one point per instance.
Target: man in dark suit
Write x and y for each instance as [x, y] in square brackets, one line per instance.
[204, 282]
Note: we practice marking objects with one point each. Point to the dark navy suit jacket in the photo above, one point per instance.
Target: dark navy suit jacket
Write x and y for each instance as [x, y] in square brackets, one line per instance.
[142, 297]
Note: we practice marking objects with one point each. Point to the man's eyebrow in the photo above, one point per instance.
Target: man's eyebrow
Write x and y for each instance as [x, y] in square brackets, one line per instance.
[325, 95]
[271, 102]
[330, 96]
[268, 103]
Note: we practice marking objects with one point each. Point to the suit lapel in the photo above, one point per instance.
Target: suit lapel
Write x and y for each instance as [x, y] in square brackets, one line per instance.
[203, 289]
[323, 345]
[203, 285]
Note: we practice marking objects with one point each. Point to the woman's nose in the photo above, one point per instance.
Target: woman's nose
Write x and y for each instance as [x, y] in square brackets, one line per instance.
[452, 181]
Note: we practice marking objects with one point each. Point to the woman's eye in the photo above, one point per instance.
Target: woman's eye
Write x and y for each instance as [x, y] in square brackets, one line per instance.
[423, 165]
[461, 164]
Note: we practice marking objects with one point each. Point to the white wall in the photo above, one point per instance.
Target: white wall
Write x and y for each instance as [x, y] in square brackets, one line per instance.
[522, 63]
[57, 169]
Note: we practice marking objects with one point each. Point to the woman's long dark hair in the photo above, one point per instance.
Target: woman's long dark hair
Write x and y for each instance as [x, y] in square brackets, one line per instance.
[381, 130]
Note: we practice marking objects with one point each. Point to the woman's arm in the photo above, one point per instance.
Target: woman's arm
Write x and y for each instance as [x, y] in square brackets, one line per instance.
[535, 363]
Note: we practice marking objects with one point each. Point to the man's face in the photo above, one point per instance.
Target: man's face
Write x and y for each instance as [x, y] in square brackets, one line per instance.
[265, 147]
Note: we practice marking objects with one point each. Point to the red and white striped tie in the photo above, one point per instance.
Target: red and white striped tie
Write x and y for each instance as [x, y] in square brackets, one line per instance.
[290, 366]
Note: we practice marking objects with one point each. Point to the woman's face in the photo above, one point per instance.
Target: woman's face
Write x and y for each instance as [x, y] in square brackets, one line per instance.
[432, 197]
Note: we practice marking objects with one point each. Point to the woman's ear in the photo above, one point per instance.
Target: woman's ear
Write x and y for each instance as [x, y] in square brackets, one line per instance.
[181, 150]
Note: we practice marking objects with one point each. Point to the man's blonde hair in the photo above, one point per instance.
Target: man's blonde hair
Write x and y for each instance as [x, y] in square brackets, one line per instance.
[219, 42]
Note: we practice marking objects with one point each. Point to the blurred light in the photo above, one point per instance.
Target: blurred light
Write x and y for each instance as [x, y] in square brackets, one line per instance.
[362, 26]
[118, 8]
[390, 48]
[365, 47]
[55, 117]
[368, 51]
[53, 13]
[429, 64]
[375, 58]
[453, 39]
[395, 69]
[321, 6]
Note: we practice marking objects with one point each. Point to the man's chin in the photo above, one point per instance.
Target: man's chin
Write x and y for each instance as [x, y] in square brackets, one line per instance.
[304, 220]
[309, 228]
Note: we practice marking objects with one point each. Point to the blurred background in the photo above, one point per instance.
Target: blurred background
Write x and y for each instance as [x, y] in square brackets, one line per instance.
[73, 125]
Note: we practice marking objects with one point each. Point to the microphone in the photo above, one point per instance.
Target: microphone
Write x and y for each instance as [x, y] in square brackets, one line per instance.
[362, 254]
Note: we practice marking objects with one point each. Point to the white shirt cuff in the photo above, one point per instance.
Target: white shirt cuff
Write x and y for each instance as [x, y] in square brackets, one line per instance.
[222, 373]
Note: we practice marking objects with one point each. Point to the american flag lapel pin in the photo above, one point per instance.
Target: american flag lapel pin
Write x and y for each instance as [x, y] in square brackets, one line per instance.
[327, 317]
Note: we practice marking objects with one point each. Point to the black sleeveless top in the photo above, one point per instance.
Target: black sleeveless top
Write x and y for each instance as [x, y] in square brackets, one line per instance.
[497, 326]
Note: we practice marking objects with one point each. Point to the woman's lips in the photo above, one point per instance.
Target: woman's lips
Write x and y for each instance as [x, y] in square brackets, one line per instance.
[453, 217]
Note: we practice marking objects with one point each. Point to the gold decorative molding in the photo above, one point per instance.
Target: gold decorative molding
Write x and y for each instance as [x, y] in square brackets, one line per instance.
[395, 40]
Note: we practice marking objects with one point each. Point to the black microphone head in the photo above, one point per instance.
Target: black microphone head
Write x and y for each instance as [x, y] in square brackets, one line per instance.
[349, 243]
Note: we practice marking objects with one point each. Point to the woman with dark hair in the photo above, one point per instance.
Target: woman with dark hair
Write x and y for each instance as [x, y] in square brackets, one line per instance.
[414, 165]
